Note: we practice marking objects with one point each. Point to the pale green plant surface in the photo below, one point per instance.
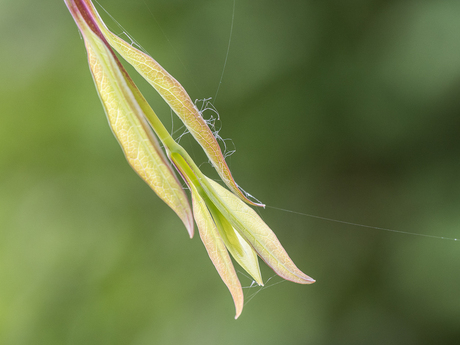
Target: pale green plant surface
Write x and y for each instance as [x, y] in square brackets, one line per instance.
[239, 228]
[176, 97]
[245, 220]
[217, 250]
[126, 119]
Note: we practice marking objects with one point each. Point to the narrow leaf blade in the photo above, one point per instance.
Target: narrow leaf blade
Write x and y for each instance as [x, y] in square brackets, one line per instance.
[178, 99]
[217, 251]
[128, 123]
[251, 227]
[241, 251]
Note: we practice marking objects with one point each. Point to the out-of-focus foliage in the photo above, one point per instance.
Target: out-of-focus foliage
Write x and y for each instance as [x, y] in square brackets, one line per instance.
[348, 110]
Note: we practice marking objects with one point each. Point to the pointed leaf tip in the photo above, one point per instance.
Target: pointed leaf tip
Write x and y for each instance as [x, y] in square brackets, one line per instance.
[120, 99]
[177, 98]
[216, 250]
[238, 247]
[254, 230]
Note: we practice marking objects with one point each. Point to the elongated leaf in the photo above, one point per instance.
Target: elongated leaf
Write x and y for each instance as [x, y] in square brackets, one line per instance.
[241, 251]
[177, 98]
[254, 230]
[127, 120]
[216, 250]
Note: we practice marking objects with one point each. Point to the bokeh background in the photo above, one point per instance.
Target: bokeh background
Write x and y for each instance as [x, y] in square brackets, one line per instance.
[341, 109]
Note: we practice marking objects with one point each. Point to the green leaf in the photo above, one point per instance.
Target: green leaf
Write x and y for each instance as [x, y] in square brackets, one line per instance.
[127, 119]
[177, 98]
[254, 230]
[241, 251]
[216, 249]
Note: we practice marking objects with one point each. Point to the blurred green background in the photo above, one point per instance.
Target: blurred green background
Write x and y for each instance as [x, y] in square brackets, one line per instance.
[342, 109]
